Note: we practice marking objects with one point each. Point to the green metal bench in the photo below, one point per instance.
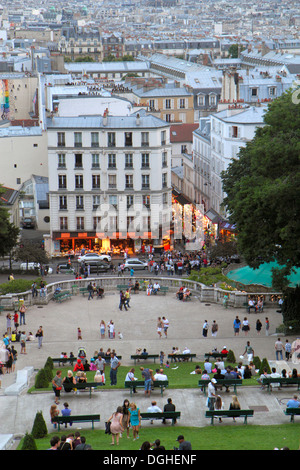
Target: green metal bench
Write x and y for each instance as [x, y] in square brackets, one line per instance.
[76, 419]
[212, 414]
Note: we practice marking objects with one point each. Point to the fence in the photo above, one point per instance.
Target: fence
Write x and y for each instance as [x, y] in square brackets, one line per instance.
[236, 299]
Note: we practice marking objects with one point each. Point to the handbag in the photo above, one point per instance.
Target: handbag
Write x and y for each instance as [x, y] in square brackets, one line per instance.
[107, 427]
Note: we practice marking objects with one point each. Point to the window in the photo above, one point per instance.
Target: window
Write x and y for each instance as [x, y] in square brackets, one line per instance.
[212, 100]
[163, 137]
[61, 160]
[145, 182]
[80, 223]
[113, 201]
[168, 117]
[96, 202]
[165, 199]
[152, 105]
[96, 223]
[164, 159]
[182, 103]
[254, 92]
[111, 139]
[200, 100]
[272, 91]
[63, 203]
[145, 139]
[61, 139]
[146, 201]
[112, 181]
[62, 182]
[112, 160]
[95, 160]
[129, 201]
[128, 181]
[78, 181]
[145, 160]
[78, 160]
[128, 160]
[167, 104]
[63, 223]
[79, 203]
[234, 131]
[94, 139]
[130, 222]
[183, 148]
[95, 181]
[164, 180]
[77, 139]
[128, 139]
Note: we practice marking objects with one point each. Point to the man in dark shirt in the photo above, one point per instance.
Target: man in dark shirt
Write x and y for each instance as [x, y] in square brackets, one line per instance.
[170, 407]
[183, 445]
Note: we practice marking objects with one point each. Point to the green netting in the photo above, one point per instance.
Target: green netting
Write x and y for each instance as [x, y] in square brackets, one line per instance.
[262, 275]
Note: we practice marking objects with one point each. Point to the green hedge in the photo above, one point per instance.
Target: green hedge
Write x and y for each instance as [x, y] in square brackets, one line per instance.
[18, 285]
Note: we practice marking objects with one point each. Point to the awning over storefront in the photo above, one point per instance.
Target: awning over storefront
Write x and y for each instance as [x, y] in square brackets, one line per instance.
[213, 216]
[227, 226]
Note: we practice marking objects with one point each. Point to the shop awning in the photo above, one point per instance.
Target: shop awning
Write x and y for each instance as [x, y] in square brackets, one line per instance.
[227, 226]
[213, 216]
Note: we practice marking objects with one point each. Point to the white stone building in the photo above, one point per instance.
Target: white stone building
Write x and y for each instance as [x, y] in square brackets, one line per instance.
[109, 182]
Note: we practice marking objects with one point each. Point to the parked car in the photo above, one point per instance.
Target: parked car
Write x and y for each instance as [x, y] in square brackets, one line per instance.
[94, 257]
[64, 268]
[28, 223]
[97, 267]
[135, 263]
[31, 266]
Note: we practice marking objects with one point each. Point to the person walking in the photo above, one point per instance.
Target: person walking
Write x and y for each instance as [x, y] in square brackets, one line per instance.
[267, 325]
[160, 326]
[250, 352]
[135, 420]
[39, 335]
[258, 326]
[205, 328]
[236, 326]
[214, 329]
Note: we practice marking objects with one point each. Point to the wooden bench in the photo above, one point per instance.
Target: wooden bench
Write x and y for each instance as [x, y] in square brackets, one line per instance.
[281, 380]
[162, 384]
[64, 360]
[85, 385]
[215, 355]
[181, 356]
[76, 419]
[162, 290]
[61, 296]
[173, 415]
[137, 357]
[292, 412]
[212, 414]
[203, 383]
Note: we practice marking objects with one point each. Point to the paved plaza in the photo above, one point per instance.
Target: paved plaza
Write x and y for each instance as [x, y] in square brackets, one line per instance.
[138, 326]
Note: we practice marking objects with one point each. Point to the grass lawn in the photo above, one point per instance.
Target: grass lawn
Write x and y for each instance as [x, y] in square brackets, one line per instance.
[218, 437]
[179, 375]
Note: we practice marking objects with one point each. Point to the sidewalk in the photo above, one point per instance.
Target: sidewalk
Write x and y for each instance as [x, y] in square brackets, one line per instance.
[138, 325]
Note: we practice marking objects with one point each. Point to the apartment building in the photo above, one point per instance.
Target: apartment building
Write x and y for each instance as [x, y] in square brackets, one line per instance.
[109, 182]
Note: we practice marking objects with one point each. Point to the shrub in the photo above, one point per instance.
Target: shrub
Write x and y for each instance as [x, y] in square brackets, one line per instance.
[264, 365]
[231, 357]
[41, 379]
[17, 286]
[49, 363]
[256, 362]
[28, 442]
[39, 428]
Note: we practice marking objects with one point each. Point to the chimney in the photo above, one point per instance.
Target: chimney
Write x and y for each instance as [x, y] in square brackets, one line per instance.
[105, 114]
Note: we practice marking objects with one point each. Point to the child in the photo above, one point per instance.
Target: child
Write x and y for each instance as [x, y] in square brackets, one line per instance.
[54, 411]
[120, 335]
[79, 333]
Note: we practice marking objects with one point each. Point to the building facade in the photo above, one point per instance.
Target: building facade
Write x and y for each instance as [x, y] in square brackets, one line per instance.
[109, 182]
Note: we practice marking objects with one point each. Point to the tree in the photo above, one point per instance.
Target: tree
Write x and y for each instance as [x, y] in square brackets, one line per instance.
[262, 191]
[8, 232]
[30, 252]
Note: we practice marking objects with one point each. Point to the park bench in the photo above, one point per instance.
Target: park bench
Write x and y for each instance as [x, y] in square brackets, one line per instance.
[212, 414]
[141, 384]
[61, 296]
[292, 412]
[64, 360]
[281, 380]
[181, 357]
[173, 415]
[84, 291]
[85, 385]
[203, 383]
[215, 355]
[76, 419]
[162, 290]
[137, 357]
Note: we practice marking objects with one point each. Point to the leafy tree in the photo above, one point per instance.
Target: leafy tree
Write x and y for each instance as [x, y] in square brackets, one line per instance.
[30, 252]
[8, 232]
[262, 187]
